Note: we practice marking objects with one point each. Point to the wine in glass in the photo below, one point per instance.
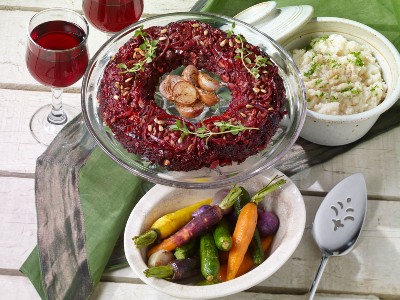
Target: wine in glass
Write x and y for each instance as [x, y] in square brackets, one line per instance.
[111, 16]
[57, 57]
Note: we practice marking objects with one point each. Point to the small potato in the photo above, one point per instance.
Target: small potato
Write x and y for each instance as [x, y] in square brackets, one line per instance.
[160, 258]
[191, 111]
[191, 74]
[208, 98]
[207, 83]
[184, 93]
[167, 85]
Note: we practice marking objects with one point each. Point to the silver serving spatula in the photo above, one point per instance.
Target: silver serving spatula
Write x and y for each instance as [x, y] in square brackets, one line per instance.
[339, 220]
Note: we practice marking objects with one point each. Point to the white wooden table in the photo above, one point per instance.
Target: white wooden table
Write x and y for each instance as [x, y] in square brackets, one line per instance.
[371, 271]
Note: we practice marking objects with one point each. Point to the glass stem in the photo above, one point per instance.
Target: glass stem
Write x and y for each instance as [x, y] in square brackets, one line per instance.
[57, 116]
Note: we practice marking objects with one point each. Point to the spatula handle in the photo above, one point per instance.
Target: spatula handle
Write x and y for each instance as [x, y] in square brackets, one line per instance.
[314, 285]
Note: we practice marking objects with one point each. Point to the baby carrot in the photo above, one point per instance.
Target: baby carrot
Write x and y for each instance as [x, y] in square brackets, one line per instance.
[242, 235]
[247, 262]
[168, 224]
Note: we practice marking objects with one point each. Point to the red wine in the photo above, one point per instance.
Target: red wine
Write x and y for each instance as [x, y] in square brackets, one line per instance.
[112, 15]
[57, 57]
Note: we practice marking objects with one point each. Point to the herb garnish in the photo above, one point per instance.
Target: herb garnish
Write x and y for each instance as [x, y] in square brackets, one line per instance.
[244, 55]
[149, 49]
[230, 32]
[313, 68]
[333, 99]
[358, 62]
[204, 132]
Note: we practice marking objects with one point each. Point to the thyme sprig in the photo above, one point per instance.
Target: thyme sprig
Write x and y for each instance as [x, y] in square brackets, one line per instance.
[230, 32]
[149, 49]
[204, 132]
[242, 53]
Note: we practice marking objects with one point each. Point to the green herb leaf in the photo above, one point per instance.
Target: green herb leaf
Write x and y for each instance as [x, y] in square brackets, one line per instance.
[149, 47]
[204, 132]
[358, 62]
[230, 32]
[313, 68]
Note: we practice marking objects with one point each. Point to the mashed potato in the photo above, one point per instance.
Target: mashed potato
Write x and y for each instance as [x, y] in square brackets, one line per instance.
[341, 77]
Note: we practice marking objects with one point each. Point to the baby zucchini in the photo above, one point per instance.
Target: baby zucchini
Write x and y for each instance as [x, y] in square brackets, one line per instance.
[209, 262]
[222, 236]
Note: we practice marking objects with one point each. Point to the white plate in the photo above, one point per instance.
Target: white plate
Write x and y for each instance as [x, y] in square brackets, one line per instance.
[286, 202]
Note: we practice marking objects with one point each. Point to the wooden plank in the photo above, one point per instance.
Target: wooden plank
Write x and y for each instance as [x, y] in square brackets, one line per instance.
[151, 7]
[18, 233]
[19, 287]
[377, 159]
[18, 148]
[121, 291]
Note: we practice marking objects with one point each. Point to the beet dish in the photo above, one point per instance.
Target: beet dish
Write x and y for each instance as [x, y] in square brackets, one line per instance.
[129, 82]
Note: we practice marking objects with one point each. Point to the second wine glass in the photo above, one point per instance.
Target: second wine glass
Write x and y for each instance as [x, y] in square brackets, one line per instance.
[111, 16]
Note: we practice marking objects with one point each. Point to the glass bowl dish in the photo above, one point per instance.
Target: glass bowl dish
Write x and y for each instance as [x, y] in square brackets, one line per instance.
[284, 138]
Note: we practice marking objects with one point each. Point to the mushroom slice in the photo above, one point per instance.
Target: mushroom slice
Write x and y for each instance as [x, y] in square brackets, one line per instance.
[191, 111]
[167, 85]
[207, 83]
[191, 74]
[208, 98]
[184, 93]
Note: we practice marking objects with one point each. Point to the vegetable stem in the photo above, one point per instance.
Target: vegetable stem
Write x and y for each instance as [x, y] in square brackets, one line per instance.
[275, 182]
[230, 198]
[165, 272]
[146, 238]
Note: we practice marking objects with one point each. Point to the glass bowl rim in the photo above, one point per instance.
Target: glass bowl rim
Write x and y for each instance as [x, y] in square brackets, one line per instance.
[191, 184]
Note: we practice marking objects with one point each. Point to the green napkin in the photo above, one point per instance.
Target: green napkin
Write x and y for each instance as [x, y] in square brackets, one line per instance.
[83, 198]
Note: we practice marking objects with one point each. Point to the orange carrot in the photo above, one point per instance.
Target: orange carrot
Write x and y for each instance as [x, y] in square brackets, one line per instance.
[222, 272]
[246, 266]
[266, 242]
[247, 263]
[242, 235]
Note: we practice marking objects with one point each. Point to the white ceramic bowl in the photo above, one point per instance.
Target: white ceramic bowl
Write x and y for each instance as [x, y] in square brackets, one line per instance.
[286, 202]
[333, 130]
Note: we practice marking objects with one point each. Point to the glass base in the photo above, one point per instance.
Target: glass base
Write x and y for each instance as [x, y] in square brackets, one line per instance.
[42, 130]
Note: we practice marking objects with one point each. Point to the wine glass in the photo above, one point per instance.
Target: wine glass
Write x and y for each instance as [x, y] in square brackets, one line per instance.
[56, 56]
[111, 16]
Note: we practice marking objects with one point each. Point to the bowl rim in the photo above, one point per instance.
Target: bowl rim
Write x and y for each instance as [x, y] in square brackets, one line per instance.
[388, 101]
[192, 184]
[284, 251]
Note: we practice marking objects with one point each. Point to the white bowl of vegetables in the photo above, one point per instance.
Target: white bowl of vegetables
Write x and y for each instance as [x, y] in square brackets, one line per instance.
[209, 272]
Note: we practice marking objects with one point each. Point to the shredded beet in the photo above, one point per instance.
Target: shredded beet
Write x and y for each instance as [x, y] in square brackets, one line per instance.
[127, 106]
